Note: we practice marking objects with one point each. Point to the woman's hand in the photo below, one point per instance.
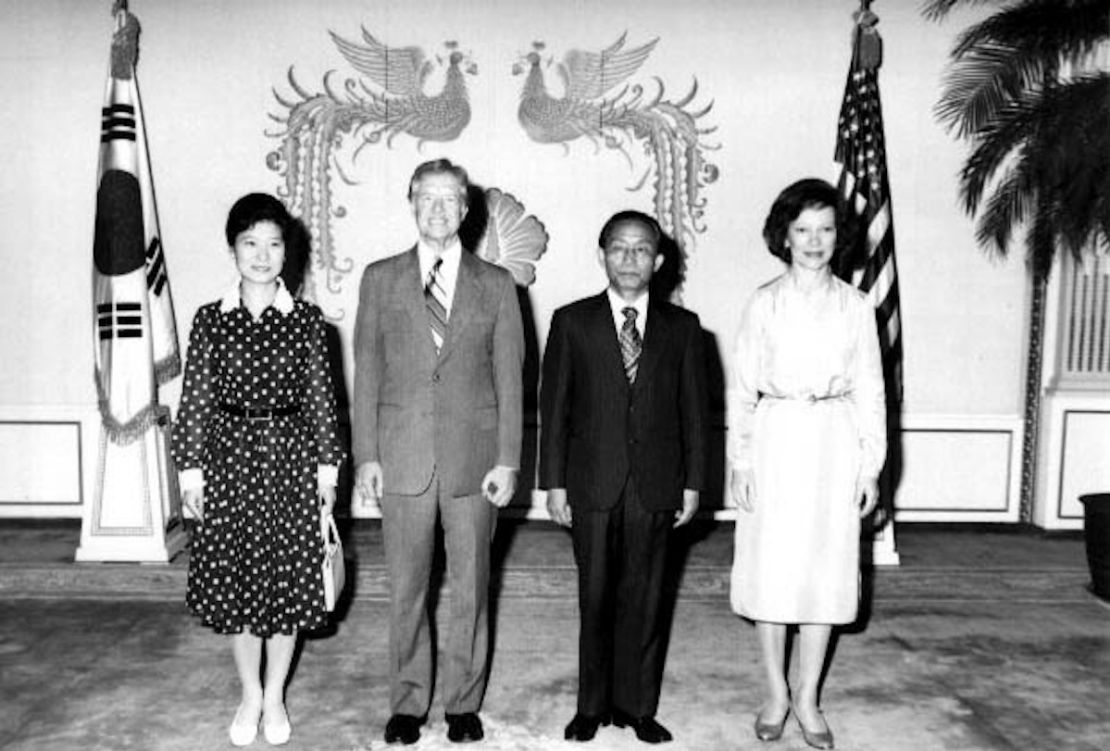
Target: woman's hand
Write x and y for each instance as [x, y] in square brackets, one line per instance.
[326, 494]
[193, 500]
[741, 485]
[867, 495]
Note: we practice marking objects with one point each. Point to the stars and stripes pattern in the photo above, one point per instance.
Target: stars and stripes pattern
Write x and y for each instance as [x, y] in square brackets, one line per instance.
[435, 298]
[865, 190]
[631, 343]
[136, 347]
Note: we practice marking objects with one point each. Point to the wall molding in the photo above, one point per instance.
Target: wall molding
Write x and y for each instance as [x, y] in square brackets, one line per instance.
[1002, 506]
[948, 439]
[1073, 455]
[50, 455]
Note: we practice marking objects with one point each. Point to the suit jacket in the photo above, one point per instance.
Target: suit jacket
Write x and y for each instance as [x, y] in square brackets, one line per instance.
[458, 412]
[597, 429]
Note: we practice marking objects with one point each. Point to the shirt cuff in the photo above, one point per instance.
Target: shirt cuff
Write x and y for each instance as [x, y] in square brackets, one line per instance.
[327, 475]
[191, 479]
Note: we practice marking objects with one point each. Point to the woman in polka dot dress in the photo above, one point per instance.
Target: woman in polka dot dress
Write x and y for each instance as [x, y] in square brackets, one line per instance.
[256, 443]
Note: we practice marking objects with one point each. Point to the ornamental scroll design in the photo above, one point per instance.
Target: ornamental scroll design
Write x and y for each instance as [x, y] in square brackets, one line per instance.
[389, 98]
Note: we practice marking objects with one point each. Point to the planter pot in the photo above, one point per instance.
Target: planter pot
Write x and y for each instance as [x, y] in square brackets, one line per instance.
[1096, 530]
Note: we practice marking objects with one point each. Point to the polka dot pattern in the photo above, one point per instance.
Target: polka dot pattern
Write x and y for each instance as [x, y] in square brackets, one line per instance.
[255, 559]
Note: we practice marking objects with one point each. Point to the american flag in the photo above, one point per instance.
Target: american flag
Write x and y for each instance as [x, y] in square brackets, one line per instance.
[865, 191]
[133, 320]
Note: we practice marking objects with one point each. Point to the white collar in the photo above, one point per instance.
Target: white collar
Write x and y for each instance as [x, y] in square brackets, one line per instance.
[617, 304]
[283, 301]
[451, 256]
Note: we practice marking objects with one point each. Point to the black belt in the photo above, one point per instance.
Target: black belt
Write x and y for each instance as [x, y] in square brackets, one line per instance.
[259, 413]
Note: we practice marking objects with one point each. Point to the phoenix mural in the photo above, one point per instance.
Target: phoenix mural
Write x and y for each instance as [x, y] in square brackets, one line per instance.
[389, 99]
[598, 105]
[406, 92]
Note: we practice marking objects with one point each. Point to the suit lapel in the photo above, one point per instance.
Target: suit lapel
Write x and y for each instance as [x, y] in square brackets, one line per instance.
[412, 287]
[656, 332]
[606, 342]
[467, 300]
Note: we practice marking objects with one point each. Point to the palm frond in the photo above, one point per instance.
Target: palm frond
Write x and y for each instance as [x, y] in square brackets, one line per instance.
[1049, 30]
[935, 10]
[981, 83]
[1007, 207]
[1015, 50]
[1040, 140]
[1011, 127]
[1073, 159]
[1060, 139]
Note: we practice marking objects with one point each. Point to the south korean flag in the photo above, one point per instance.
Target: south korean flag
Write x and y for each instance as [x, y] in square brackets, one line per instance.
[134, 327]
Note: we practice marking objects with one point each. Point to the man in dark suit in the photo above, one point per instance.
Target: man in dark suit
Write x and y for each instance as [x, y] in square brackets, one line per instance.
[622, 447]
[439, 350]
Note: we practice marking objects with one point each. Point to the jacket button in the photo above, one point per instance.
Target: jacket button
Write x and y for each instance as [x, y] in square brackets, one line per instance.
[435, 377]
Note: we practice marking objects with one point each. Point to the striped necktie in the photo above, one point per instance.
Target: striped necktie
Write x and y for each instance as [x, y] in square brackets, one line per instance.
[631, 344]
[435, 299]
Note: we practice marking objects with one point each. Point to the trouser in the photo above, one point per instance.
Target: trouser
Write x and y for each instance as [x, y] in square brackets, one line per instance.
[621, 555]
[409, 527]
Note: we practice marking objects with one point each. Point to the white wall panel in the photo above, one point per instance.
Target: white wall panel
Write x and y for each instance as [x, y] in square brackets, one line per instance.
[48, 459]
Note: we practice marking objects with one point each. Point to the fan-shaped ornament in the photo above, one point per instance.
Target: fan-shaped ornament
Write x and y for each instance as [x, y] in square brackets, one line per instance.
[513, 239]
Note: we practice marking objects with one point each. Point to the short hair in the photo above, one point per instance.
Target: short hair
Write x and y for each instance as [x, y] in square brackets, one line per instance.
[263, 207]
[621, 217]
[252, 209]
[809, 193]
[441, 167]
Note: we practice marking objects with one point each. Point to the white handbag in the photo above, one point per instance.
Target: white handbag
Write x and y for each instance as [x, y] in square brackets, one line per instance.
[333, 566]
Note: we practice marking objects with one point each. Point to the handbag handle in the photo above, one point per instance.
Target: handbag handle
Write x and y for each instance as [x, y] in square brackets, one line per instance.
[330, 534]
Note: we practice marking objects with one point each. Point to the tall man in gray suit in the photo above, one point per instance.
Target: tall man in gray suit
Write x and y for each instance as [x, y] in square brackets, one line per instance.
[439, 350]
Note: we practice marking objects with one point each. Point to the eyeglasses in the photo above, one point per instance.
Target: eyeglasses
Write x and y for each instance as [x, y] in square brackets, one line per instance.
[638, 252]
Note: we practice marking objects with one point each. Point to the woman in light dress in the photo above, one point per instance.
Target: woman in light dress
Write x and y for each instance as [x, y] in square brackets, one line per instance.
[807, 439]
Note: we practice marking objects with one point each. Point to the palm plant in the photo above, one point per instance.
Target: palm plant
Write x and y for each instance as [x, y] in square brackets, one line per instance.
[1025, 90]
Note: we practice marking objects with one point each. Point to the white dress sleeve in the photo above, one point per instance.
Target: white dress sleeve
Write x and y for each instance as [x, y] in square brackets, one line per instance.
[868, 394]
[743, 392]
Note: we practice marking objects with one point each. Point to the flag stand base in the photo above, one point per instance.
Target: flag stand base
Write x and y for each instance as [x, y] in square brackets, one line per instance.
[135, 514]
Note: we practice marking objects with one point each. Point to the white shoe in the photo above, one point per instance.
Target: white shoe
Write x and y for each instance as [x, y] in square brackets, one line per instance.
[244, 728]
[277, 731]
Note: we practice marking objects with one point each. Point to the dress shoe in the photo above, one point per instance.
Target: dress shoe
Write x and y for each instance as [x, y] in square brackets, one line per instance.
[403, 728]
[822, 739]
[770, 731]
[584, 727]
[276, 728]
[646, 728]
[244, 728]
[464, 728]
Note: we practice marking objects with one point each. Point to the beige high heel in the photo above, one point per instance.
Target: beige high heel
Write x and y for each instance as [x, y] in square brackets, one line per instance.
[768, 731]
[821, 739]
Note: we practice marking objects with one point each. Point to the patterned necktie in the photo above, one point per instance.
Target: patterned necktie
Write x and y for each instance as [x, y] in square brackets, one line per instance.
[631, 344]
[435, 299]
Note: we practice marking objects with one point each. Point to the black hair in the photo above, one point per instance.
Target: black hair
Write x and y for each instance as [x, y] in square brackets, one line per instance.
[809, 193]
[629, 215]
[263, 207]
[252, 209]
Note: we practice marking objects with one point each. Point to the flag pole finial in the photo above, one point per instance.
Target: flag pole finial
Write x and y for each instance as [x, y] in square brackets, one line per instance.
[125, 41]
[868, 43]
